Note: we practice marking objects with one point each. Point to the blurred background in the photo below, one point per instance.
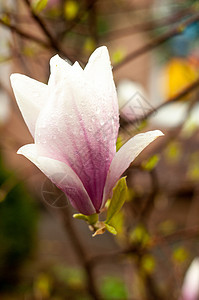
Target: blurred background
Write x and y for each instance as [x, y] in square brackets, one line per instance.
[154, 49]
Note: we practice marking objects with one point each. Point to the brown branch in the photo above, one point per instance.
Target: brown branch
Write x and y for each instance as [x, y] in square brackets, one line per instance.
[24, 34]
[90, 4]
[144, 27]
[149, 203]
[81, 253]
[52, 40]
[93, 23]
[190, 88]
[156, 241]
[158, 41]
[183, 234]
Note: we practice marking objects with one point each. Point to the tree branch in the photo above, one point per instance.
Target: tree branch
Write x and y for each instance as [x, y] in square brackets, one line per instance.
[53, 41]
[24, 34]
[81, 253]
[193, 86]
[144, 27]
[158, 41]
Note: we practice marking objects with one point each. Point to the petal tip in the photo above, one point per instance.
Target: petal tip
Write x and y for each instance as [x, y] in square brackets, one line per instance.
[20, 151]
[100, 53]
[14, 78]
[57, 61]
[159, 133]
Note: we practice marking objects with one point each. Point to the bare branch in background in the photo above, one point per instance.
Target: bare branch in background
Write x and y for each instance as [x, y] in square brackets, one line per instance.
[158, 41]
[53, 41]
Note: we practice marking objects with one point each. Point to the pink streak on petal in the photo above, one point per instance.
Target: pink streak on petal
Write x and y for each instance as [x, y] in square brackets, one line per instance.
[62, 176]
[78, 131]
[126, 154]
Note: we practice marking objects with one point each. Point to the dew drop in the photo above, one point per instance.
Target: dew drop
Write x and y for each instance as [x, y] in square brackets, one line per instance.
[97, 111]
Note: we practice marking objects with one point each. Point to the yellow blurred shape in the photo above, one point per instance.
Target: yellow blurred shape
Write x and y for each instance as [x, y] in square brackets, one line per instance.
[71, 9]
[180, 255]
[117, 56]
[89, 45]
[43, 286]
[148, 263]
[178, 74]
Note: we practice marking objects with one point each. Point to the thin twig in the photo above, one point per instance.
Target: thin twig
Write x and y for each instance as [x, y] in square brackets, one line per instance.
[190, 88]
[53, 41]
[158, 41]
[148, 206]
[81, 252]
[24, 34]
[156, 241]
[144, 27]
[90, 4]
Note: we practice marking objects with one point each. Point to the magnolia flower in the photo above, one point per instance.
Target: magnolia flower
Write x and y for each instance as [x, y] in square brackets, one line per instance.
[74, 121]
[190, 288]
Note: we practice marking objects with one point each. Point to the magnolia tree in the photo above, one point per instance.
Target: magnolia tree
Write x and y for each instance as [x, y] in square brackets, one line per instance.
[87, 136]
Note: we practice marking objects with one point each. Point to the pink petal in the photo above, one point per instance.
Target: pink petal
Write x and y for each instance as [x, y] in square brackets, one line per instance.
[190, 288]
[79, 124]
[126, 154]
[62, 176]
[31, 96]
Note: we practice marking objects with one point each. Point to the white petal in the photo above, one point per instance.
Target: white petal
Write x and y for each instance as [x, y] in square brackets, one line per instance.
[31, 96]
[99, 70]
[126, 154]
[79, 126]
[190, 288]
[62, 176]
[60, 68]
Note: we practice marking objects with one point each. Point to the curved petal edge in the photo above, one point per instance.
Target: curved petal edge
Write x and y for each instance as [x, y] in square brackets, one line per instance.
[31, 96]
[62, 176]
[123, 158]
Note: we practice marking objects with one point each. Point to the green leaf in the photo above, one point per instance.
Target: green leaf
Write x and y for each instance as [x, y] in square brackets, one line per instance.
[151, 163]
[120, 194]
[111, 229]
[92, 219]
[39, 5]
[118, 222]
[119, 143]
[80, 217]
